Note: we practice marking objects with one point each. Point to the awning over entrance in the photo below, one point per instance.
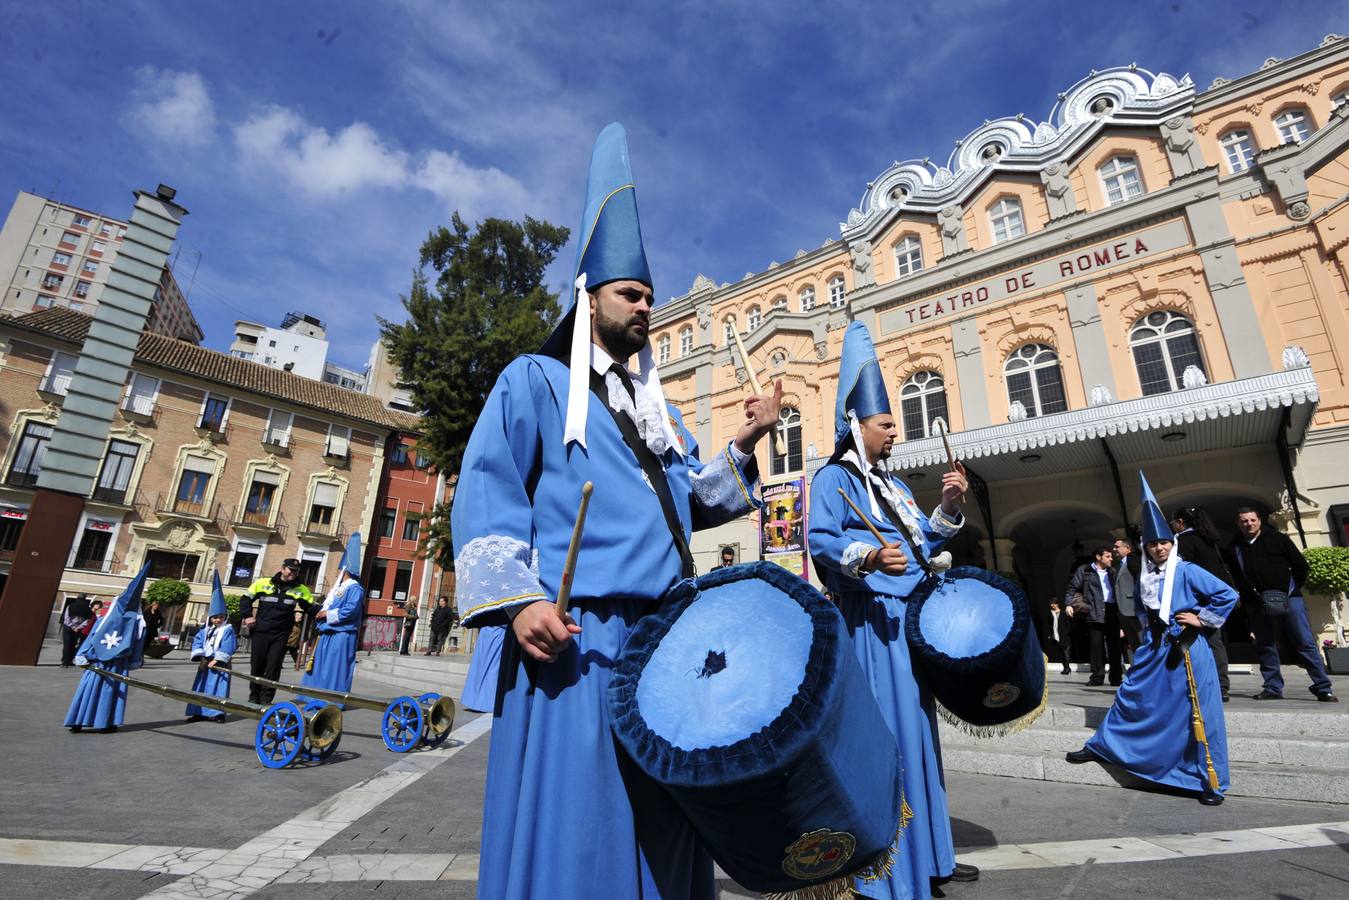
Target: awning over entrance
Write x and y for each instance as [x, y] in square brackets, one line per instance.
[1229, 414]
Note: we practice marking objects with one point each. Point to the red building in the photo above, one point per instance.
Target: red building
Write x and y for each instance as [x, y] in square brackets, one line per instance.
[396, 577]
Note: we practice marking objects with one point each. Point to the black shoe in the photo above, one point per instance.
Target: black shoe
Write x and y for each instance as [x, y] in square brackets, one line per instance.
[1080, 756]
[76, 729]
[1211, 799]
[1067, 671]
[1267, 695]
[964, 872]
[1327, 697]
[1095, 682]
[1114, 683]
[1226, 697]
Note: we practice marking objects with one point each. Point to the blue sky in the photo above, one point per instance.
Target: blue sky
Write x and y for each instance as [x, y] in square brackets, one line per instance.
[316, 144]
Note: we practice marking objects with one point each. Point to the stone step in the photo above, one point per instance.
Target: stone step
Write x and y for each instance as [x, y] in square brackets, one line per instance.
[1326, 722]
[1314, 752]
[1321, 785]
[415, 662]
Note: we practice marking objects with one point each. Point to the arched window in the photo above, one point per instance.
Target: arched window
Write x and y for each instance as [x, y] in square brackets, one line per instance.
[807, 298]
[663, 349]
[1005, 217]
[1164, 345]
[1238, 149]
[789, 426]
[922, 398]
[908, 256]
[1120, 178]
[752, 319]
[685, 340]
[728, 330]
[780, 303]
[1035, 380]
[1294, 125]
[836, 291]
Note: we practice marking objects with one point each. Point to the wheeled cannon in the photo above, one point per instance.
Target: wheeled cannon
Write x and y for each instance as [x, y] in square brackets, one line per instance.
[407, 721]
[286, 731]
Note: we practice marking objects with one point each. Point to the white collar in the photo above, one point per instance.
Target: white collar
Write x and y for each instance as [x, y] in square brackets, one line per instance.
[600, 360]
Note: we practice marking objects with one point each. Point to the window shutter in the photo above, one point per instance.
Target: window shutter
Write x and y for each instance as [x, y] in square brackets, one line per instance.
[199, 464]
[325, 494]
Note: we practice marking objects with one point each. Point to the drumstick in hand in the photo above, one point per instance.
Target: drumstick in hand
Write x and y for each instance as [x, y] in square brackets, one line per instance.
[778, 443]
[863, 516]
[950, 456]
[573, 549]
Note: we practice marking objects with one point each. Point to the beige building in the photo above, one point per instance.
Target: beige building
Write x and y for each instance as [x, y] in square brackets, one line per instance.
[53, 255]
[1152, 277]
[213, 462]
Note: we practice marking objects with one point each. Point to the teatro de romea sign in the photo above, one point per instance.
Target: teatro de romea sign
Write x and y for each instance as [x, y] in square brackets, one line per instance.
[1069, 266]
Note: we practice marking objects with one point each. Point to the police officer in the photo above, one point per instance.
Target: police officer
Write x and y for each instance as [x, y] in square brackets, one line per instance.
[278, 597]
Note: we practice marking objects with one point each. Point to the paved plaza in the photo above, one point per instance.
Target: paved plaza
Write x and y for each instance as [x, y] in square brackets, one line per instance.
[166, 808]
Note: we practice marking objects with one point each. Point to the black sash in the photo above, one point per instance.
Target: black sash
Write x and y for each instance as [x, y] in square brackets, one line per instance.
[894, 518]
[655, 473]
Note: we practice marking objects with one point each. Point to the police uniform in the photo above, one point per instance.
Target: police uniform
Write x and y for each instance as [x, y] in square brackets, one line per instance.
[272, 602]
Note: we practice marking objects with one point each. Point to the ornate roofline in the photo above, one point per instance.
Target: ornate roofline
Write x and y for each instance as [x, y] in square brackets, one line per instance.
[1015, 144]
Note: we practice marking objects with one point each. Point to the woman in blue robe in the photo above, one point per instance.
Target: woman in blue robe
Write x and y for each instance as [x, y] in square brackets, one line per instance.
[114, 643]
[1150, 731]
[333, 665]
[212, 648]
[872, 602]
[480, 687]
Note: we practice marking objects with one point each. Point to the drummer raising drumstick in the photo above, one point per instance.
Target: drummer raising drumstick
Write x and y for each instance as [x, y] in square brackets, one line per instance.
[855, 506]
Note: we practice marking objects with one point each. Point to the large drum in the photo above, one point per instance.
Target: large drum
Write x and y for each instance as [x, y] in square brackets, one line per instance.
[743, 698]
[971, 635]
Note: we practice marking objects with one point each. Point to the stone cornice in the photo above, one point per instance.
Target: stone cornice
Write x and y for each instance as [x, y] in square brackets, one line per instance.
[1223, 91]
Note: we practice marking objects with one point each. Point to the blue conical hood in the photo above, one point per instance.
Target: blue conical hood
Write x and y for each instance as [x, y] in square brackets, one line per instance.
[351, 559]
[117, 630]
[218, 605]
[609, 240]
[861, 389]
[1155, 525]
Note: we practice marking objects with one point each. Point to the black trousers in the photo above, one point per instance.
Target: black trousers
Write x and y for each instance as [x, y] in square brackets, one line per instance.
[1133, 635]
[1105, 641]
[1058, 651]
[268, 652]
[70, 642]
[1214, 636]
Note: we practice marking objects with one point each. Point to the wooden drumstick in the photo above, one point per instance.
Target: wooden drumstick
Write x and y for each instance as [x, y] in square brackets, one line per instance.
[574, 548]
[778, 443]
[885, 545]
[950, 456]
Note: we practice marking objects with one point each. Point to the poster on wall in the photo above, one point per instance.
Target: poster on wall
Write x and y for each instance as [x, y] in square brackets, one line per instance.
[782, 525]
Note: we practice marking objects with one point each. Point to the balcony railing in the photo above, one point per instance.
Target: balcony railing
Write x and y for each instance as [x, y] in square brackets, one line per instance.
[139, 405]
[261, 520]
[19, 478]
[334, 529]
[56, 383]
[169, 505]
[96, 563]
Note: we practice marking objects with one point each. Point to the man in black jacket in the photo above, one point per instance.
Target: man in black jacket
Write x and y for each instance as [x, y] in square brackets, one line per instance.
[1098, 583]
[1270, 572]
[268, 609]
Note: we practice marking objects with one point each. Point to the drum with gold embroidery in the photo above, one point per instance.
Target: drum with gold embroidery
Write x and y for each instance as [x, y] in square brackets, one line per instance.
[742, 697]
[970, 634]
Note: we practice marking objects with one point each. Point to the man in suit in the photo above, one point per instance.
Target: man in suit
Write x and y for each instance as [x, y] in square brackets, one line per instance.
[1058, 637]
[1127, 568]
[1095, 581]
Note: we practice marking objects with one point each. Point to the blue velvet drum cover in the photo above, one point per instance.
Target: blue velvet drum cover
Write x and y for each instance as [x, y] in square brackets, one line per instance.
[743, 698]
[970, 632]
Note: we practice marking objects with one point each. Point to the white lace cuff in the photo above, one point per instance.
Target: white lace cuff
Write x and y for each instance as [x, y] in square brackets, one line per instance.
[853, 556]
[1208, 618]
[945, 525]
[724, 488]
[494, 573]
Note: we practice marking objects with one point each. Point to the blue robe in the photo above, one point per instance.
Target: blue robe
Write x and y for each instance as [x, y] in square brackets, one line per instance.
[873, 608]
[216, 642]
[115, 643]
[334, 660]
[555, 780]
[1148, 731]
[480, 687]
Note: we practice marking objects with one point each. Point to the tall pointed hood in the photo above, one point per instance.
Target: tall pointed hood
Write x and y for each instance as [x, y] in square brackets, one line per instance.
[351, 558]
[861, 389]
[116, 630]
[1155, 525]
[218, 605]
[609, 248]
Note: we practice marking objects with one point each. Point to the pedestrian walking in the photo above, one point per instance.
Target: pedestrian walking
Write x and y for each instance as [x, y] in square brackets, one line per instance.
[409, 628]
[76, 617]
[1058, 640]
[440, 625]
[154, 620]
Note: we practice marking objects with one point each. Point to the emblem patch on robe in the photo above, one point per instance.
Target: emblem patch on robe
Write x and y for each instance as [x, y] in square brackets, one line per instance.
[1001, 694]
[678, 434]
[818, 853]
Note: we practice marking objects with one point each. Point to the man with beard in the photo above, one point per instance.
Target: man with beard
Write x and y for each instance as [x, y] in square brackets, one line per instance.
[572, 413]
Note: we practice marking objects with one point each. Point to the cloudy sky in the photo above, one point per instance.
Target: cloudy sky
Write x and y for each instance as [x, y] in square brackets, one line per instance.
[316, 144]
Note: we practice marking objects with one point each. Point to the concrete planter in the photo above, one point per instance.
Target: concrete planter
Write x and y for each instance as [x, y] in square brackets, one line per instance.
[1337, 660]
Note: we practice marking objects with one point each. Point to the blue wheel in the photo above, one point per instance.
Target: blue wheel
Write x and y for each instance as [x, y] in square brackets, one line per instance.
[439, 720]
[280, 735]
[320, 739]
[402, 725]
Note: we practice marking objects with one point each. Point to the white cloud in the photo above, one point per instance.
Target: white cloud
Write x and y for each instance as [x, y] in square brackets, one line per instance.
[172, 106]
[468, 189]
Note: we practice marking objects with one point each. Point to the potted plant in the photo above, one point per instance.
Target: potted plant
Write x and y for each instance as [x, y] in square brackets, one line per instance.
[1328, 575]
[167, 592]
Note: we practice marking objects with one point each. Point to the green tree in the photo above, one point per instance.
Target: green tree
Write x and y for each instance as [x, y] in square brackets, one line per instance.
[1328, 574]
[482, 303]
[168, 592]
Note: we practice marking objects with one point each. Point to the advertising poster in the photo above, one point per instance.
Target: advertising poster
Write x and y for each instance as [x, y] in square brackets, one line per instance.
[782, 525]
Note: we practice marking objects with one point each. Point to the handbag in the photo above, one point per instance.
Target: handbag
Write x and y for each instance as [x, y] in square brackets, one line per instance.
[1079, 604]
[1274, 603]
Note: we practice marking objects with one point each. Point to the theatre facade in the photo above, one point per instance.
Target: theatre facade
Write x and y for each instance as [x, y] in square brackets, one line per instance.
[1154, 277]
